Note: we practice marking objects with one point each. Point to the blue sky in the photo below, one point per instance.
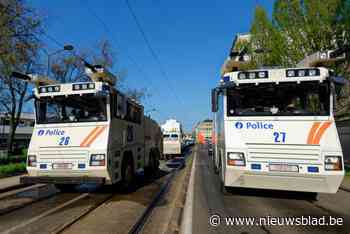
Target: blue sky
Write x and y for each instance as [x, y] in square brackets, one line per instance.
[191, 39]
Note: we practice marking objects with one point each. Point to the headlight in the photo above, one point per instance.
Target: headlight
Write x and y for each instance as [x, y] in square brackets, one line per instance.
[97, 160]
[333, 163]
[235, 159]
[31, 161]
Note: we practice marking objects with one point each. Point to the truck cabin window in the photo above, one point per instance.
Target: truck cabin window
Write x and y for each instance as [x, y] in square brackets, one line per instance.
[74, 108]
[284, 99]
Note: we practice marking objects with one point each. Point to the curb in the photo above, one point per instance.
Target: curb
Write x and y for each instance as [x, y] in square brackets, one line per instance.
[186, 226]
[178, 212]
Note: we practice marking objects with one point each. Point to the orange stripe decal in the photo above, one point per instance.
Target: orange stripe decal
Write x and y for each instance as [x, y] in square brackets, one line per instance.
[320, 132]
[93, 138]
[312, 132]
[82, 144]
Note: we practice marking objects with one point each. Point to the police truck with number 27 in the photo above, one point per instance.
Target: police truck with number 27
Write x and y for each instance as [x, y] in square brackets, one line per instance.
[275, 129]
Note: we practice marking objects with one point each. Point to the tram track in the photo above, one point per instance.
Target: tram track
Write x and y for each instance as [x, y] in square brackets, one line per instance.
[136, 226]
[18, 198]
[65, 212]
[88, 201]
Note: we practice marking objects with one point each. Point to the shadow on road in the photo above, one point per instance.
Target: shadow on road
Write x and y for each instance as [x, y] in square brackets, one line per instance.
[272, 193]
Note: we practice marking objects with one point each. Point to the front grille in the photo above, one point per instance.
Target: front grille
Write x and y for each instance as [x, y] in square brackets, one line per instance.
[284, 153]
[63, 155]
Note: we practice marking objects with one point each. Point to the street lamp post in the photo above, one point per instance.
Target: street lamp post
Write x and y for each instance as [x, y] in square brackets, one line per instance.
[65, 48]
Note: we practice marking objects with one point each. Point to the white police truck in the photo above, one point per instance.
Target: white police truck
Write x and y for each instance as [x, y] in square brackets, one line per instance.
[89, 132]
[275, 129]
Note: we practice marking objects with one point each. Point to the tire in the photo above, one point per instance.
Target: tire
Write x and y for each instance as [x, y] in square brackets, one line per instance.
[313, 196]
[223, 188]
[156, 160]
[149, 170]
[65, 187]
[215, 168]
[128, 175]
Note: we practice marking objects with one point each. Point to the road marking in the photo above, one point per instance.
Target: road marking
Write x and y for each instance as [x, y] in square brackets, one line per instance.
[47, 213]
[186, 225]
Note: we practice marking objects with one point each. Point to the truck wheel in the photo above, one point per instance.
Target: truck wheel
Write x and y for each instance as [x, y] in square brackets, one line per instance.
[224, 190]
[215, 168]
[153, 165]
[313, 196]
[128, 176]
[157, 158]
[216, 171]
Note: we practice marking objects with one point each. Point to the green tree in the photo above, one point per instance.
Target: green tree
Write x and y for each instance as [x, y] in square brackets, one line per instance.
[267, 43]
[307, 26]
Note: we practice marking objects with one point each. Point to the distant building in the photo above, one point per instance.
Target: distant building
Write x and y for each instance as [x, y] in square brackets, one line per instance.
[23, 132]
[203, 131]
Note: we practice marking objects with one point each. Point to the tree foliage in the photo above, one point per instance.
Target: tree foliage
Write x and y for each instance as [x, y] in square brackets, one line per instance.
[69, 67]
[18, 52]
[267, 43]
[299, 28]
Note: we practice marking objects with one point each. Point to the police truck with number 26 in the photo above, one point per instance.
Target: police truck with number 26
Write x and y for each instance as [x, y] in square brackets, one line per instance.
[89, 132]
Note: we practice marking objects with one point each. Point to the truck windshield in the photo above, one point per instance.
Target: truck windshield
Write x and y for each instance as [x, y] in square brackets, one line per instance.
[284, 99]
[72, 108]
[170, 137]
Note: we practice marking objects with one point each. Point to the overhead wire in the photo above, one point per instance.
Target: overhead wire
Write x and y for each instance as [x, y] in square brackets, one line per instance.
[116, 42]
[152, 51]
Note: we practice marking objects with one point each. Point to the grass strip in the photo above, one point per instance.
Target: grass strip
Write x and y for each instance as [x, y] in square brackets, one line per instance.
[12, 169]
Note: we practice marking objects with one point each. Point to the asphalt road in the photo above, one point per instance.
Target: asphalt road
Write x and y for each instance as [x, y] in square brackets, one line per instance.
[208, 201]
[115, 215]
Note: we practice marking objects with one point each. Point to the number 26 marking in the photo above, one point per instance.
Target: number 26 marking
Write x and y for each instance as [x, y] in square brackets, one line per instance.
[64, 140]
[280, 136]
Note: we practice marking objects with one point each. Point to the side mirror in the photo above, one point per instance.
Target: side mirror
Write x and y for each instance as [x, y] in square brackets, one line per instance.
[214, 100]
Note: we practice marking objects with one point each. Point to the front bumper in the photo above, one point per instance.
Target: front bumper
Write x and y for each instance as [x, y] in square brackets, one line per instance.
[283, 181]
[61, 180]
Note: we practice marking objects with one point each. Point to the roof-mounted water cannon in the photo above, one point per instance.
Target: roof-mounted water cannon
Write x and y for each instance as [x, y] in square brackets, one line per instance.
[99, 73]
[323, 58]
[37, 80]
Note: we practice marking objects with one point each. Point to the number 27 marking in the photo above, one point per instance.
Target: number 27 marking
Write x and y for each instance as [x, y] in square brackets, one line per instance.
[280, 136]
